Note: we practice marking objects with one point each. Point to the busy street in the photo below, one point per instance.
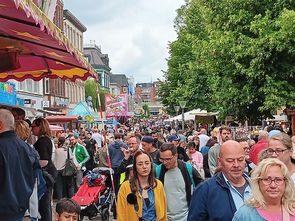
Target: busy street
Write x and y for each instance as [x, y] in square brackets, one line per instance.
[171, 110]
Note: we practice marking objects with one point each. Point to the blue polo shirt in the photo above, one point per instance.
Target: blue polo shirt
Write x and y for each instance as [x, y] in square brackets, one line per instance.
[239, 199]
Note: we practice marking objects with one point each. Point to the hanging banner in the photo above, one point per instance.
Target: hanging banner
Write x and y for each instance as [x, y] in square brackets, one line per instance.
[116, 105]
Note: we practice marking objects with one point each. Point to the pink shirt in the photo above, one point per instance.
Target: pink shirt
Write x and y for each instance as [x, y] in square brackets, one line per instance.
[197, 159]
[272, 216]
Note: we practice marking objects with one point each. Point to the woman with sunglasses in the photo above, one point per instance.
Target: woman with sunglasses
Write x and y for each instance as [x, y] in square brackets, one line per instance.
[273, 194]
[142, 197]
[44, 146]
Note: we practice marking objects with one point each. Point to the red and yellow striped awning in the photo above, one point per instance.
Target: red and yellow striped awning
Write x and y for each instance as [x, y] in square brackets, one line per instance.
[32, 47]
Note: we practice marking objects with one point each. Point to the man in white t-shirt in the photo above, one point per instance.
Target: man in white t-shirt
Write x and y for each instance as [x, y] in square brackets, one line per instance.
[97, 137]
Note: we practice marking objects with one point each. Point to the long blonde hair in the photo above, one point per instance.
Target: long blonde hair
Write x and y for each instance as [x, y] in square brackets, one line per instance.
[257, 199]
[22, 129]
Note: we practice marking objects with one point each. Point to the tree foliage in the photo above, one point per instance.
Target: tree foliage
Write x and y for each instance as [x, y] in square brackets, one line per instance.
[92, 90]
[232, 56]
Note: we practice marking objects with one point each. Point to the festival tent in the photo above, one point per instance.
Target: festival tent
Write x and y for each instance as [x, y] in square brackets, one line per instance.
[190, 115]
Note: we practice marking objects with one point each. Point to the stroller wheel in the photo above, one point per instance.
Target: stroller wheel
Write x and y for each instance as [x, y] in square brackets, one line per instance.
[105, 214]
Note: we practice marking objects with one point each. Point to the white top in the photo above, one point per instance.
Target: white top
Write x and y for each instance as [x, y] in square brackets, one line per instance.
[60, 158]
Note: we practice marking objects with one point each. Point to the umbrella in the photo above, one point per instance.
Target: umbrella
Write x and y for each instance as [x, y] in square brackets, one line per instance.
[31, 46]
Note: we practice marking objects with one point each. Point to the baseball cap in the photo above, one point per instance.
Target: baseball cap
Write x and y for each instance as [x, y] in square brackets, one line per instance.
[173, 137]
[148, 139]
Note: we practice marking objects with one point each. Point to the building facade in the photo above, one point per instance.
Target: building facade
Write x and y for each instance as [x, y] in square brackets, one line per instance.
[100, 62]
[74, 29]
[147, 93]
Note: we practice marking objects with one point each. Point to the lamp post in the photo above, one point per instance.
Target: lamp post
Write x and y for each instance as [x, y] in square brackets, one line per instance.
[176, 108]
[182, 105]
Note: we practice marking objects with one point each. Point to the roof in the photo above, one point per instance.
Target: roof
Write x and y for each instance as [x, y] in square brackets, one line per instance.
[82, 110]
[59, 119]
[69, 16]
[95, 57]
[119, 79]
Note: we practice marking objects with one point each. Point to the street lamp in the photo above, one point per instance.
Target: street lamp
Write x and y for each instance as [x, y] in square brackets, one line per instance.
[176, 108]
[182, 105]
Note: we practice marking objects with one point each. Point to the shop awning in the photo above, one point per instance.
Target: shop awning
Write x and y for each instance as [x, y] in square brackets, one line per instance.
[60, 119]
[31, 46]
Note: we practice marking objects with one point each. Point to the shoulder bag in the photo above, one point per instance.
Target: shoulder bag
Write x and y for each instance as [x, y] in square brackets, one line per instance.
[70, 168]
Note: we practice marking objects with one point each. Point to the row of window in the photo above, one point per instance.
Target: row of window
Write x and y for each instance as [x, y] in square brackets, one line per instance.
[105, 80]
[74, 36]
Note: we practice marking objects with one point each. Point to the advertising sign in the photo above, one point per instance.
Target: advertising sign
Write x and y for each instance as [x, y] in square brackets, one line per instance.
[116, 105]
[7, 93]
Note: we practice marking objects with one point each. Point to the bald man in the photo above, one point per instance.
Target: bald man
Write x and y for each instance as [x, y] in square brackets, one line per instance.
[17, 161]
[219, 197]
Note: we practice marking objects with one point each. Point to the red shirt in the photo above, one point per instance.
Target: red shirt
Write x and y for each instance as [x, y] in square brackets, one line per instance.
[256, 149]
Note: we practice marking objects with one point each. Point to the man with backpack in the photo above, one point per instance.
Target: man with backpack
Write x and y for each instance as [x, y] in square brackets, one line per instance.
[178, 178]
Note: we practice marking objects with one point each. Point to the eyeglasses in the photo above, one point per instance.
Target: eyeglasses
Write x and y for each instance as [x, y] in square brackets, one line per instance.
[277, 151]
[278, 180]
[166, 159]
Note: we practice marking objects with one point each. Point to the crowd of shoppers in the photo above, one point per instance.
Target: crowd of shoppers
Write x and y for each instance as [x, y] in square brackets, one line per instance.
[159, 174]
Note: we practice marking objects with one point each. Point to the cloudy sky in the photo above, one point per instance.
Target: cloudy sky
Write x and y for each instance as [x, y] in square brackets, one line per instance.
[134, 33]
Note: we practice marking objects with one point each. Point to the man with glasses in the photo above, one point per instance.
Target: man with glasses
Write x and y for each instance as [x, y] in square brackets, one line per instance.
[81, 156]
[280, 146]
[219, 197]
[178, 182]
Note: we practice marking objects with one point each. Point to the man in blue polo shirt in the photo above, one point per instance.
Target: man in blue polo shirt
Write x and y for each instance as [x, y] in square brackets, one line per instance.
[219, 197]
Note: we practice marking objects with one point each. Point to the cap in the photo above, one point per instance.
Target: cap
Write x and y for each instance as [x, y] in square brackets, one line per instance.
[173, 137]
[148, 139]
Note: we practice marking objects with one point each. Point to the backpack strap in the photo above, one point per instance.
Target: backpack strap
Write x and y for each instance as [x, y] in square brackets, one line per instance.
[158, 170]
[189, 168]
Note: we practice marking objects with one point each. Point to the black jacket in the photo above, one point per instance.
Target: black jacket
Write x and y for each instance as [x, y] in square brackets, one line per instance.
[196, 177]
[123, 166]
[17, 160]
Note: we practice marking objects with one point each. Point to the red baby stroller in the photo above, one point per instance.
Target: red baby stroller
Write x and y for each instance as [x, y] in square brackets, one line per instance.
[95, 194]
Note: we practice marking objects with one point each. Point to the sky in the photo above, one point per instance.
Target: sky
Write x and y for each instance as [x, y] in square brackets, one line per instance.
[134, 33]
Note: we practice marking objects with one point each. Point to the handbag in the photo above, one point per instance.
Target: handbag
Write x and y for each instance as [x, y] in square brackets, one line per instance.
[70, 168]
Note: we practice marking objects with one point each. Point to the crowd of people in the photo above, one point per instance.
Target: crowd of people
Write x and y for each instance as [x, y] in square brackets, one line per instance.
[158, 174]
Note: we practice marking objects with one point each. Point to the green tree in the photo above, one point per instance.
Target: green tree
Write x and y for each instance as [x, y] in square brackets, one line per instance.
[91, 90]
[233, 56]
[146, 109]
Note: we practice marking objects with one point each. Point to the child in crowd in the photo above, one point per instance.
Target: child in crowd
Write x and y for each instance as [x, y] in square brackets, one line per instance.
[67, 210]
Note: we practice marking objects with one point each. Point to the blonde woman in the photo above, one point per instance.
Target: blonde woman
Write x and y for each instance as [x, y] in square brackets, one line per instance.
[280, 147]
[273, 194]
[22, 130]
